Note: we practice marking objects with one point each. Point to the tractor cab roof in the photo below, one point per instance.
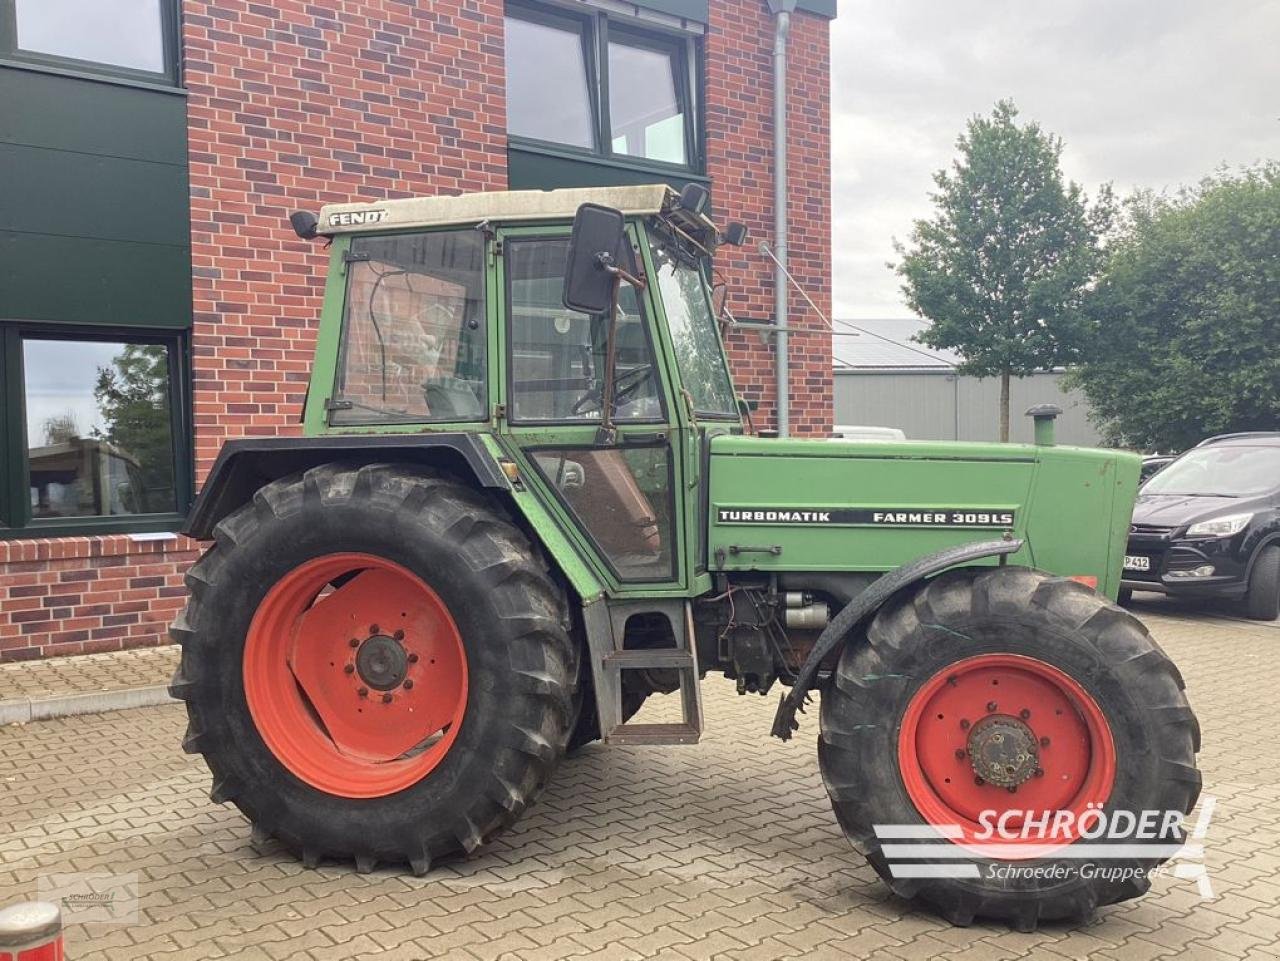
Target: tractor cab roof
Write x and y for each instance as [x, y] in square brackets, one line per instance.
[511, 206]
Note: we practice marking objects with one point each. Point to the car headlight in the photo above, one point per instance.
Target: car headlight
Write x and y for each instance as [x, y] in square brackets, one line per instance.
[1220, 526]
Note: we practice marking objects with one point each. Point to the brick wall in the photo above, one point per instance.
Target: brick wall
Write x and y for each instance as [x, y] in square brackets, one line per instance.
[295, 104]
[739, 152]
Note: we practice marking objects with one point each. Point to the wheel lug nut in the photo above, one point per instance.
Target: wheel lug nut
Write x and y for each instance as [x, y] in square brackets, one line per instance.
[408, 684]
[398, 635]
[363, 691]
[386, 699]
[964, 724]
[354, 642]
[1039, 772]
[413, 658]
[979, 781]
[373, 629]
[991, 705]
[349, 669]
[1012, 790]
[1024, 714]
[1044, 742]
[959, 754]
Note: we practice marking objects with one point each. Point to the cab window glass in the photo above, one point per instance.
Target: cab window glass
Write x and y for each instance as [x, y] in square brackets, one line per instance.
[413, 346]
[558, 354]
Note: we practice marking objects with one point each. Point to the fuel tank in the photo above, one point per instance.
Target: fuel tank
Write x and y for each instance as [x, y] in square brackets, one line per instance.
[820, 505]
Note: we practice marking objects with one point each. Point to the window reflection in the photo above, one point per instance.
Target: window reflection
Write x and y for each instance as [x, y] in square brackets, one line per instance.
[548, 95]
[645, 112]
[98, 428]
[122, 33]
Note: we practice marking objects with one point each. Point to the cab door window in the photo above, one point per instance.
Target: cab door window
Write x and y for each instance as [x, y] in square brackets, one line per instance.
[558, 355]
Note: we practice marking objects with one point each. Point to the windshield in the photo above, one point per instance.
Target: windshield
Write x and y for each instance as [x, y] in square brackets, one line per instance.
[694, 334]
[1220, 471]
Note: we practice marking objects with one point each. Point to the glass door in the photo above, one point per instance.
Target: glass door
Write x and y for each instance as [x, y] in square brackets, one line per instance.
[615, 497]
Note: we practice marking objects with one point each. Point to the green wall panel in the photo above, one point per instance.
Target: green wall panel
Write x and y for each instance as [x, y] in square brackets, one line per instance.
[95, 222]
[533, 169]
[111, 120]
[86, 281]
[77, 194]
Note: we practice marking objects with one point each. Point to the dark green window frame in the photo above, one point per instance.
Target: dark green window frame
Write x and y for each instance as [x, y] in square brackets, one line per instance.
[594, 26]
[15, 498]
[170, 37]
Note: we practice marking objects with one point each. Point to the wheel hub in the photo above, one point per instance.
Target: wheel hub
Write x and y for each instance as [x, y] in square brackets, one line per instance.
[1003, 750]
[382, 662]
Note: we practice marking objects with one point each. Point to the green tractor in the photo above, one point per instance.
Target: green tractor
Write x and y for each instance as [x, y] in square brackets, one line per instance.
[525, 499]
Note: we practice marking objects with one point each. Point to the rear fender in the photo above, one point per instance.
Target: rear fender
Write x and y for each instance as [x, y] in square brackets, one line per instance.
[861, 609]
[245, 465]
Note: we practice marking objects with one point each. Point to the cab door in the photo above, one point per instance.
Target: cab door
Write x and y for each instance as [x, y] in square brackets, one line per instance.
[615, 497]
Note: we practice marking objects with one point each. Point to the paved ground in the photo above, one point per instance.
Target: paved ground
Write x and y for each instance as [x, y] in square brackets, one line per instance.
[88, 673]
[727, 849]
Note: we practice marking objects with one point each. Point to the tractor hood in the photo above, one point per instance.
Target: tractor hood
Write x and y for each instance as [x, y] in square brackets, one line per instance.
[820, 505]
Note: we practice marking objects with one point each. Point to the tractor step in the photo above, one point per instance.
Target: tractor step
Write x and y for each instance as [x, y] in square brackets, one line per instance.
[662, 657]
[606, 630]
[654, 734]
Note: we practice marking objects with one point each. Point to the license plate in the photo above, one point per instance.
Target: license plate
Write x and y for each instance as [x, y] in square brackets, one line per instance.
[1137, 562]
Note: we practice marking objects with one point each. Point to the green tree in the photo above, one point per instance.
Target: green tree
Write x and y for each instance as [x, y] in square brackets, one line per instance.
[1001, 268]
[1185, 321]
[133, 398]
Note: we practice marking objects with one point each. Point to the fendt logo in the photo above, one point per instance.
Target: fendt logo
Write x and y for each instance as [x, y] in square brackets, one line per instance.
[356, 218]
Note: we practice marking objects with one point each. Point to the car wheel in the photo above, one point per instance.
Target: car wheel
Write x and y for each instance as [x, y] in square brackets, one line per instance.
[1262, 602]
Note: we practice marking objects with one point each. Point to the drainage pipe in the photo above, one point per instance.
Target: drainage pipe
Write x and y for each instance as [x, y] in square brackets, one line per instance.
[781, 10]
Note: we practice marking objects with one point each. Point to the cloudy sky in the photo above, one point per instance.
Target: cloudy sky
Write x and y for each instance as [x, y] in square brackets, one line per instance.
[1145, 93]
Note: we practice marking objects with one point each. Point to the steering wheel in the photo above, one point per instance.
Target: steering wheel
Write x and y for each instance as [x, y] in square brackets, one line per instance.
[623, 387]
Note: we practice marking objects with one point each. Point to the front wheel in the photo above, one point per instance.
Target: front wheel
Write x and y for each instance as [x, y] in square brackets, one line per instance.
[1262, 602]
[989, 722]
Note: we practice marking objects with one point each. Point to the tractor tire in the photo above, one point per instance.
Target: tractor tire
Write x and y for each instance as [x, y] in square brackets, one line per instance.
[909, 718]
[1262, 600]
[376, 666]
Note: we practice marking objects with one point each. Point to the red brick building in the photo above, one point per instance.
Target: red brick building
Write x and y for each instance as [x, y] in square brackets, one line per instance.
[167, 152]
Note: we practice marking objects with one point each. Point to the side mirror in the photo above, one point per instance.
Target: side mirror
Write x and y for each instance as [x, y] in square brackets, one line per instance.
[597, 249]
[304, 224]
[735, 235]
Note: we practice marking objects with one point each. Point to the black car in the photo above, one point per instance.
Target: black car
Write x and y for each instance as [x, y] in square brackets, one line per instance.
[1208, 525]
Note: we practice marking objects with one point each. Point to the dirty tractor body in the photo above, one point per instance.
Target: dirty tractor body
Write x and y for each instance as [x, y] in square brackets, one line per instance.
[526, 497]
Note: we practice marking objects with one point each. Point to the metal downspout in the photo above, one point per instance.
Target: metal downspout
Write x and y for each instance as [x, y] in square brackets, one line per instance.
[781, 10]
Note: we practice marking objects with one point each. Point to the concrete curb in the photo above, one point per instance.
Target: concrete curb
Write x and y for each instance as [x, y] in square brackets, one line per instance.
[21, 710]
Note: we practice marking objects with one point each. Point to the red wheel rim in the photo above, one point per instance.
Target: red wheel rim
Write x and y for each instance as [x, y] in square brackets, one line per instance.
[355, 675]
[953, 716]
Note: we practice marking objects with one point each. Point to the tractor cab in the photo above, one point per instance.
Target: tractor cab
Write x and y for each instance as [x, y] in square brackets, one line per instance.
[515, 315]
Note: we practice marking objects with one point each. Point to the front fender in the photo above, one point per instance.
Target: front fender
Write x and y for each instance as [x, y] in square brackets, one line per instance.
[862, 607]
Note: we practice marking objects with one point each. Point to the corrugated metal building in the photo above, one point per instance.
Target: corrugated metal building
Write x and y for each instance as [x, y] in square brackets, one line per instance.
[883, 378]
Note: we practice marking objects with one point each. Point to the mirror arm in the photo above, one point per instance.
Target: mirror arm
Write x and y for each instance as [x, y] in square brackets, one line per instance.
[607, 435]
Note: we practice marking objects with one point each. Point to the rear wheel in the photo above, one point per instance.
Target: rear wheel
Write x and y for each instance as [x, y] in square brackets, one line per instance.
[1262, 602]
[1005, 693]
[376, 665]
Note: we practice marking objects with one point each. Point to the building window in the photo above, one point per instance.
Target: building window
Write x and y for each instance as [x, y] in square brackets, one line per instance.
[126, 37]
[647, 106]
[548, 84]
[601, 85]
[94, 436]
